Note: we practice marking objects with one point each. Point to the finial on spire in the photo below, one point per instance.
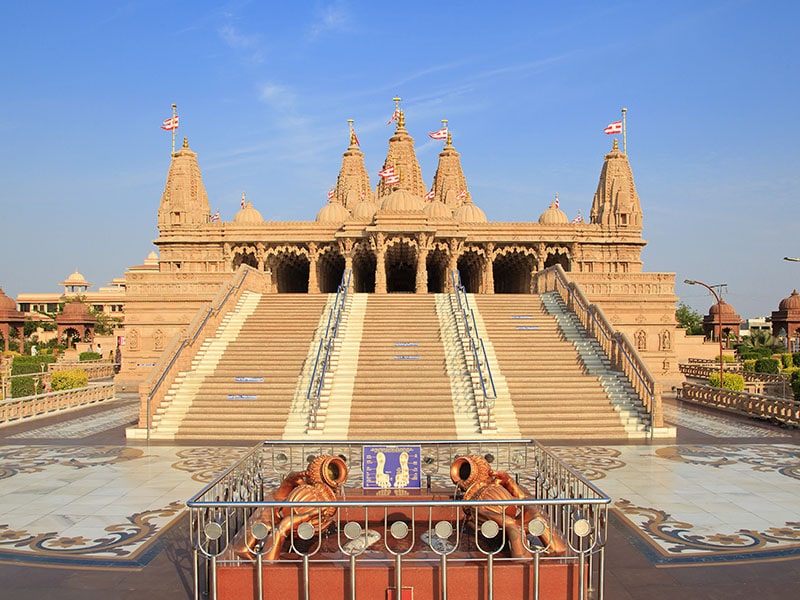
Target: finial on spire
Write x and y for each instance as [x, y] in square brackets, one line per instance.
[185, 142]
[397, 112]
[353, 138]
[616, 144]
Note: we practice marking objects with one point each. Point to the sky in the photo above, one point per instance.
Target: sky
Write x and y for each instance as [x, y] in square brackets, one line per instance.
[264, 90]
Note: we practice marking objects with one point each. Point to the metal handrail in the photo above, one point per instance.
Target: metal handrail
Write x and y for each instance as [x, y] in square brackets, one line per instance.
[614, 343]
[476, 343]
[326, 342]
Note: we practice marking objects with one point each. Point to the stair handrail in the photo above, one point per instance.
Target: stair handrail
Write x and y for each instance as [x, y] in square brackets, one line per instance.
[325, 346]
[616, 345]
[164, 369]
[477, 346]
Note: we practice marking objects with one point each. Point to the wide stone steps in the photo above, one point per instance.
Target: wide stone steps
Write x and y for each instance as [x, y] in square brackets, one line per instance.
[401, 388]
[271, 344]
[552, 394]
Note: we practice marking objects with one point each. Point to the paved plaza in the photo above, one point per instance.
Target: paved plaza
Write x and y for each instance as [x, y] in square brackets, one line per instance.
[84, 513]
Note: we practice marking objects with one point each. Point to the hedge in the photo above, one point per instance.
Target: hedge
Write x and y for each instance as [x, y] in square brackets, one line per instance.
[730, 381]
[796, 384]
[768, 365]
[89, 356]
[69, 380]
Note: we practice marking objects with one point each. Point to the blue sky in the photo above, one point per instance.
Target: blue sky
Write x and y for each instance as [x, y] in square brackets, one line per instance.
[264, 91]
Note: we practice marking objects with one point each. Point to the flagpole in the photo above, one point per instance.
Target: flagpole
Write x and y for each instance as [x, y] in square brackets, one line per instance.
[624, 132]
[174, 114]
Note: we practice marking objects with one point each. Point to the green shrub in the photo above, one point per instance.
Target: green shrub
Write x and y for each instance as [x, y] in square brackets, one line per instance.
[23, 386]
[89, 356]
[768, 365]
[730, 381]
[796, 384]
[749, 364]
[22, 365]
[69, 380]
[796, 359]
[786, 360]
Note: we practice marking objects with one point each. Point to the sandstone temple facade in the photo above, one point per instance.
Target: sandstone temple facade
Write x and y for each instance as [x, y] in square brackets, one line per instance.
[397, 237]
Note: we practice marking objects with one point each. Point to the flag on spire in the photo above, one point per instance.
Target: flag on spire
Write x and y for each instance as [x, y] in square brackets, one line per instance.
[429, 196]
[578, 219]
[170, 124]
[243, 198]
[462, 195]
[395, 115]
[387, 172]
[215, 217]
[441, 134]
[556, 201]
[614, 128]
[330, 194]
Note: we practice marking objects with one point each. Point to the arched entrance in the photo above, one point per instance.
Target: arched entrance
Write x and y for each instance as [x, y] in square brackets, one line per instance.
[401, 267]
[437, 270]
[512, 272]
[470, 267]
[364, 264]
[557, 258]
[244, 256]
[291, 272]
[330, 268]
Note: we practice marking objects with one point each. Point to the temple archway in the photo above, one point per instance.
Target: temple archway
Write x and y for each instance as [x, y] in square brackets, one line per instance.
[557, 257]
[470, 267]
[513, 272]
[401, 267]
[437, 271]
[364, 264]
[330, 268]
[244, 256]
[291, 272]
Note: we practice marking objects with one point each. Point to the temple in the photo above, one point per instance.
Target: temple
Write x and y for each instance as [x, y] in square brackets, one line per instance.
[397, 236]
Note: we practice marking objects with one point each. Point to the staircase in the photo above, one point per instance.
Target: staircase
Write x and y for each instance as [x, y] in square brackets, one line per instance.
[243, 381]
[401, 389]
[559, 388]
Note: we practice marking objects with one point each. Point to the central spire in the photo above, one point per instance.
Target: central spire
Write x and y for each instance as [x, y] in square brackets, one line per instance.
[402, 157]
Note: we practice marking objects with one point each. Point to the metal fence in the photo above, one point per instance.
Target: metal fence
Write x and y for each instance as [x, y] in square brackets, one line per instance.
[418, 529]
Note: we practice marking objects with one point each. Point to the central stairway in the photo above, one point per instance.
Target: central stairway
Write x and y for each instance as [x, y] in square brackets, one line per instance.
[402, 389]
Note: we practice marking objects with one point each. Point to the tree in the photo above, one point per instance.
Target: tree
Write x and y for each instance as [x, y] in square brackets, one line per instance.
[689, 319]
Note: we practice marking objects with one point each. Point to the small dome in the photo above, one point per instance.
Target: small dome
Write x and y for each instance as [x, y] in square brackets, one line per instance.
[152, 256]
[6, 302]
[553, 216]
[364, 210]
[333, 212]
[402, 201]
[77, 310]
[469, 213]
[723, 307]
[790, 303]
[248, 215]
[437, 209]
[76, 280]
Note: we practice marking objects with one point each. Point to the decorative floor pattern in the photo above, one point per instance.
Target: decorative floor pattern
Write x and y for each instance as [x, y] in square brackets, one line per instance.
[701, 503]
[124, 412]
[96, 506]
[717, 425]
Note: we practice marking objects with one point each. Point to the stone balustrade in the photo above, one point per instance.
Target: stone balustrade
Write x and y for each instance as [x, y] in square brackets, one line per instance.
[776, 410]
[16, 409]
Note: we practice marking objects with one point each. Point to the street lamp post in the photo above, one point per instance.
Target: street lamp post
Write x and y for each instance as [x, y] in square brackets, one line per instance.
[719, 319]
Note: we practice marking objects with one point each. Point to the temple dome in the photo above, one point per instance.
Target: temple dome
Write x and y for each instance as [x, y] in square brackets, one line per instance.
[722, 307]
[6, 302]
[248, 215]
[553, 216]
[792, 302]
[437, 209]
[364, 210]
[76, 311]
[333, 212]
[469, 213]
[402, 201]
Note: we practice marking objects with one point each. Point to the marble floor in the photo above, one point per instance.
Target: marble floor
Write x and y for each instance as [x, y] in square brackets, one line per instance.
[75, 495]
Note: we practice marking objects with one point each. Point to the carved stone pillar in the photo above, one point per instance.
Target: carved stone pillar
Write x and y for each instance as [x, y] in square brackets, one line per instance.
[313, 282]
[488, 270]
[423, 247]
[379, 245]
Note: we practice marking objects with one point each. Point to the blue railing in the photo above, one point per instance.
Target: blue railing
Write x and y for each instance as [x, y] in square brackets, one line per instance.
[477, 346]
[325, 347]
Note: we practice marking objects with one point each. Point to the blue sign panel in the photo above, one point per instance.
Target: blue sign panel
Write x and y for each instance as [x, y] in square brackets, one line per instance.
[391, 467]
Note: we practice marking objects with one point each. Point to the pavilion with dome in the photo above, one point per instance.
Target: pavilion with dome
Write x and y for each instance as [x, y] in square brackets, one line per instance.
[399, 235]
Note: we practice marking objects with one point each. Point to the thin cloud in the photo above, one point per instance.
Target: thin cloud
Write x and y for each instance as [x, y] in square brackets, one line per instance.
[250, 45]
[329, 18]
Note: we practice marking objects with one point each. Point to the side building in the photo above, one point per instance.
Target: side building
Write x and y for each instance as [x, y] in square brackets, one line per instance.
[399, 236]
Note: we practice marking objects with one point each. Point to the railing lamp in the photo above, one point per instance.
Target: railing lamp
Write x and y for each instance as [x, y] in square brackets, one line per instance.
[719, 320]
